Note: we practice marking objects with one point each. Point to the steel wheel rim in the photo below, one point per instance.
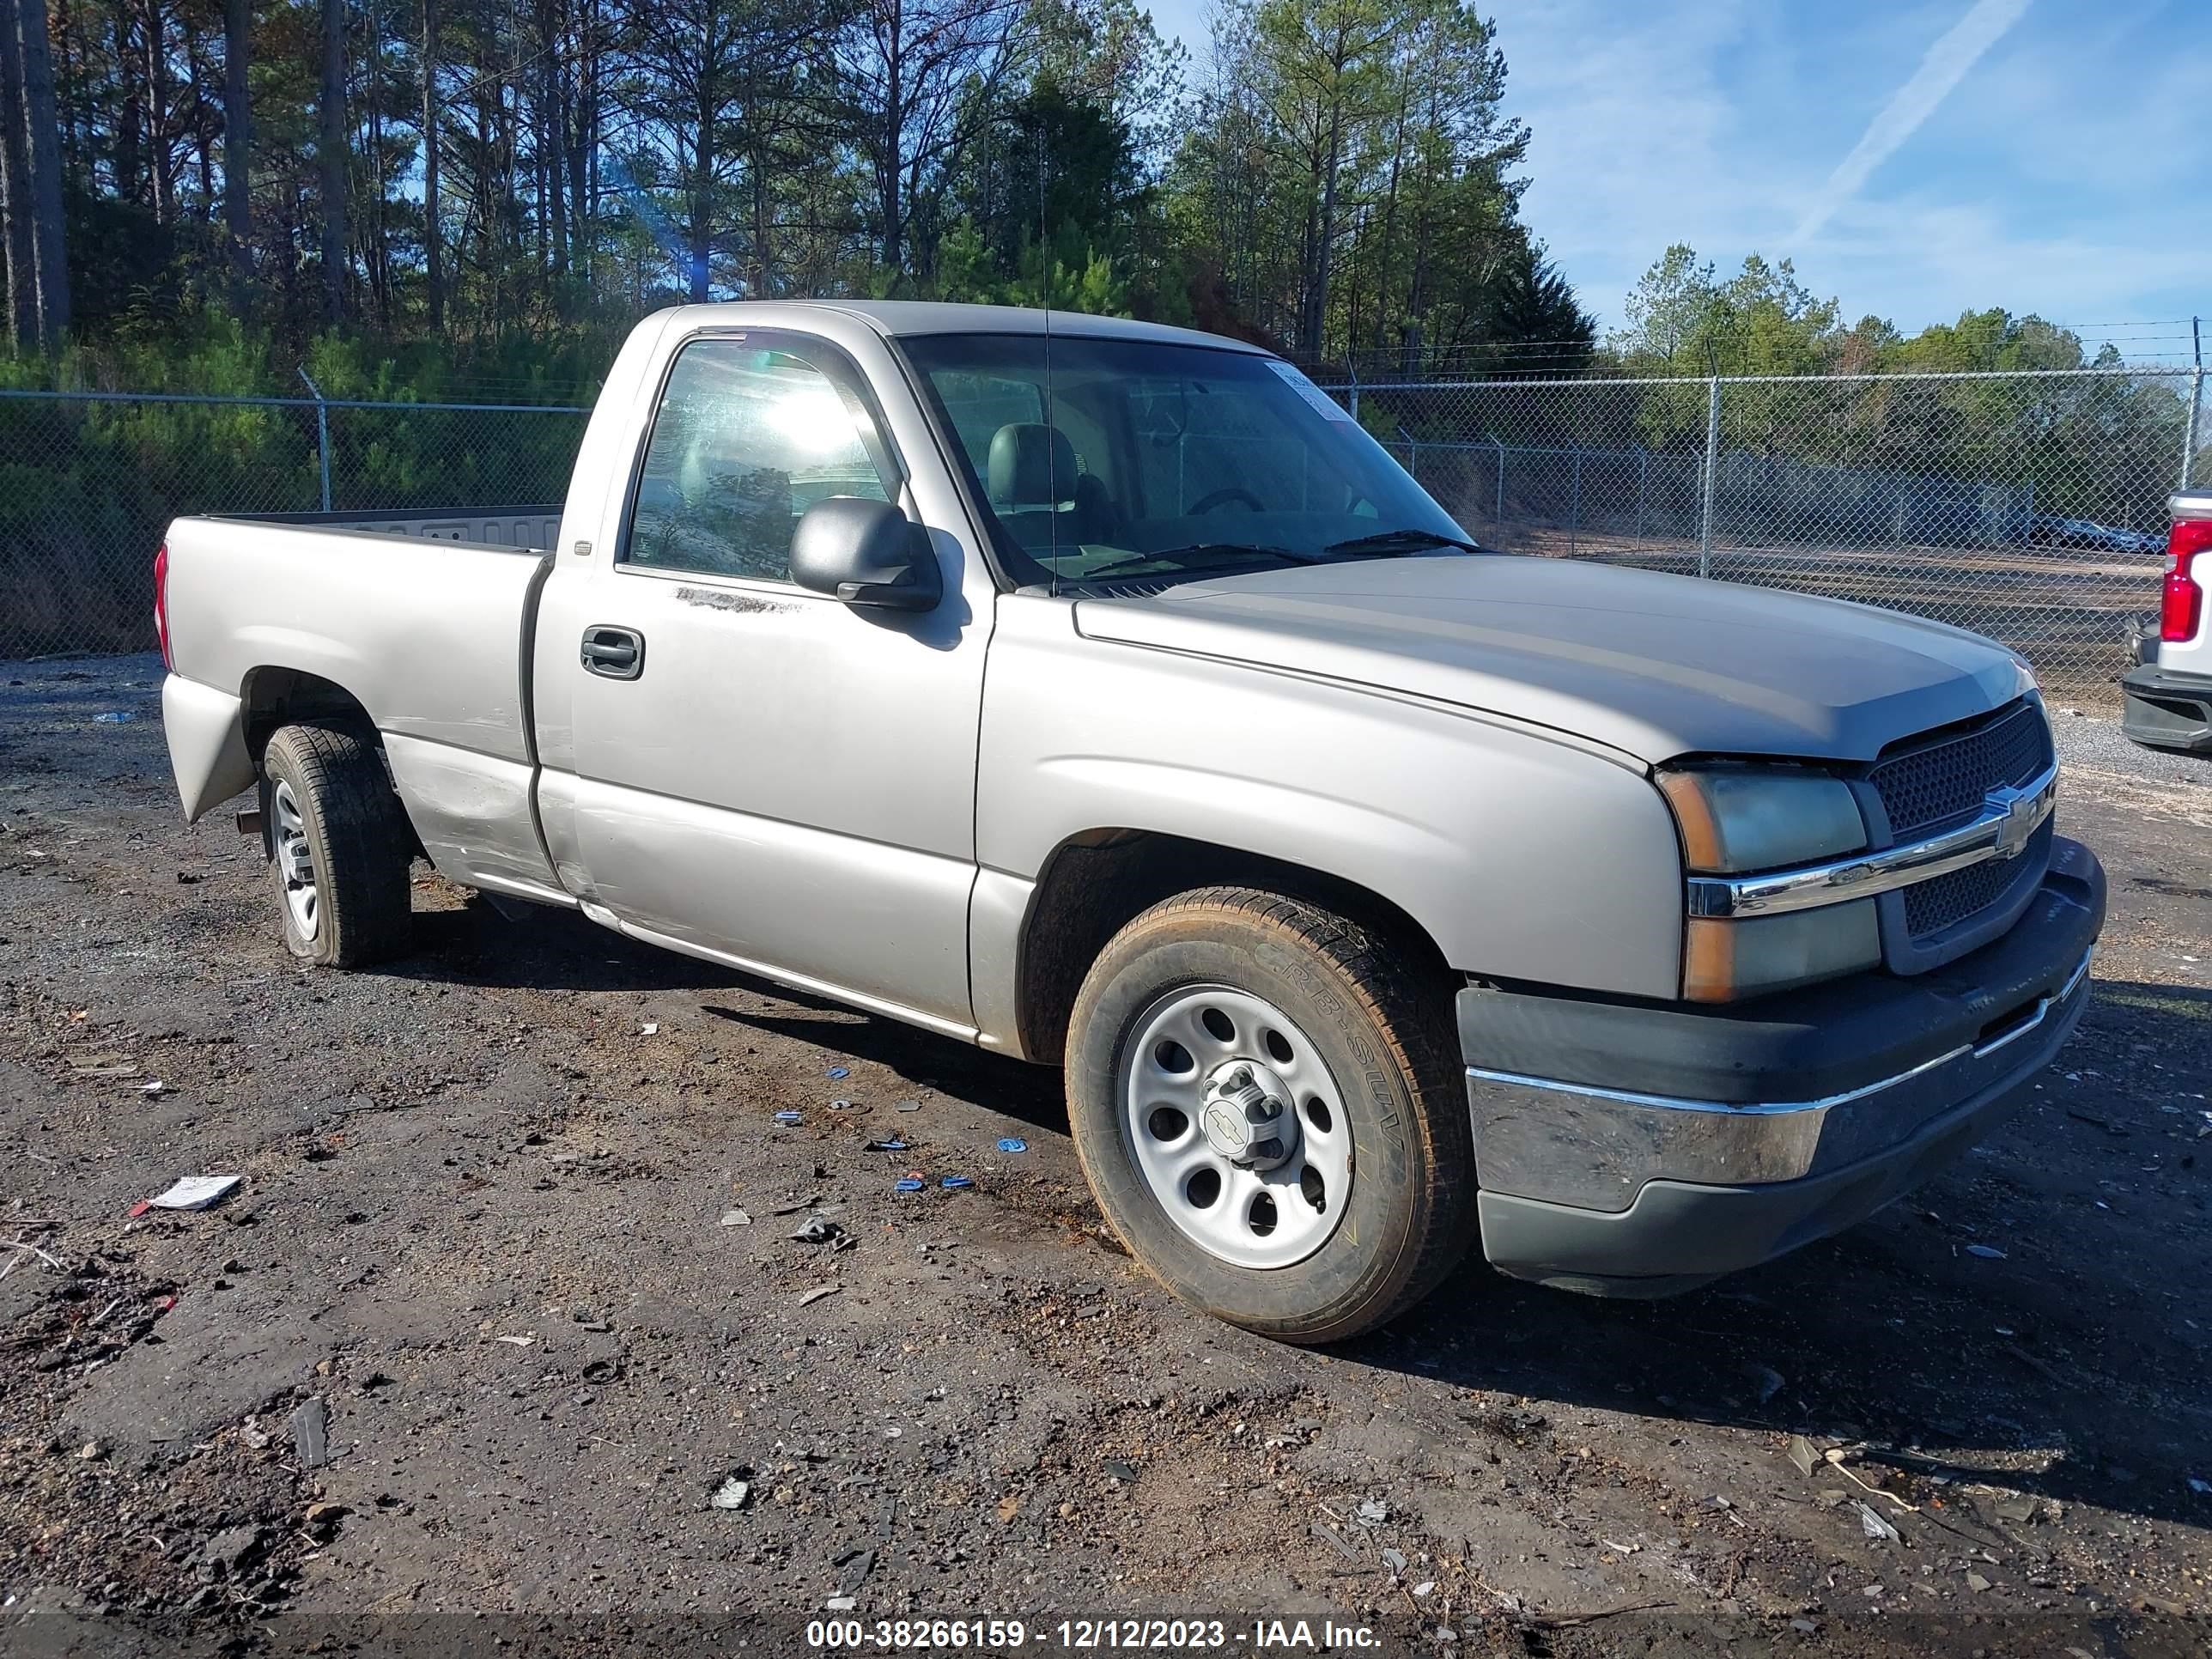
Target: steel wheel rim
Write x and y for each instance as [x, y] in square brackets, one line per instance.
[1179, 1099]
[295, 862]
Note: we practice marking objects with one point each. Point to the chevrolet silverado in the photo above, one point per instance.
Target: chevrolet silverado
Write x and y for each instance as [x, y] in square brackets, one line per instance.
[1101, 694]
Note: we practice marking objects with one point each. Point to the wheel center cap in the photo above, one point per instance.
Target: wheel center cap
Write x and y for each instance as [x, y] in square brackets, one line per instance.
[299, 862]
[1247, 1117]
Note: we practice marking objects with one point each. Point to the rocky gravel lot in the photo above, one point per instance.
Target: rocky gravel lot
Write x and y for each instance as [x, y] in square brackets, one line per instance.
[505, 1342]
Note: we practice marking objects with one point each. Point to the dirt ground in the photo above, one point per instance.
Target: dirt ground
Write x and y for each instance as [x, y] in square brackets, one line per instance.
[486, 1237]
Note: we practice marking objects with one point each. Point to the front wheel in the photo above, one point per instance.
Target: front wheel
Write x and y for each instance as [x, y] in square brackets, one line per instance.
[1265, 1101]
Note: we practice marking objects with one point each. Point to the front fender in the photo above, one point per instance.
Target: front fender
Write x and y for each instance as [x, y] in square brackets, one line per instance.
[1524, 854]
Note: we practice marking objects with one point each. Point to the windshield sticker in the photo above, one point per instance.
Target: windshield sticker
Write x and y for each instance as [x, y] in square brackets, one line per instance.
[1307, 390]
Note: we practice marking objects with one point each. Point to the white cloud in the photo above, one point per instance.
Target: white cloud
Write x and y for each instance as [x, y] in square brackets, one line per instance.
[2047, 180]
[1945, 64]
[2056, 177]
[1640, 133]
[1922, 258]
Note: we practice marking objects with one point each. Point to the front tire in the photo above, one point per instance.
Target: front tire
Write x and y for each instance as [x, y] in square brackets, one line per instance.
[1266, 1101]
[338, 846]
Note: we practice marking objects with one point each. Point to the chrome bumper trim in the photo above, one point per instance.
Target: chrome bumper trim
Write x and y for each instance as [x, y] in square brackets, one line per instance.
[1595, 1147]
[2009, 818]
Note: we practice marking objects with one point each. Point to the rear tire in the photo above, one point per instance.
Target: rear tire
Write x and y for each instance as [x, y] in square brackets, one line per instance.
[339, 847]
[1227, 1005]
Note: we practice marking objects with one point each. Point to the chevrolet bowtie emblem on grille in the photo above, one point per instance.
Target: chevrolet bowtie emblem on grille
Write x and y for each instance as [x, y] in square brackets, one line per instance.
[2022, 810]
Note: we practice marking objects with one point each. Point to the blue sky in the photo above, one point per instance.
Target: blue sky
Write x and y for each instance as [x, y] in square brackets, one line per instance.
[1914, 157]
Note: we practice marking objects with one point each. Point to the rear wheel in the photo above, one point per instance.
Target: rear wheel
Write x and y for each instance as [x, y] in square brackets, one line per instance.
[1265, 1100]
[338, 846]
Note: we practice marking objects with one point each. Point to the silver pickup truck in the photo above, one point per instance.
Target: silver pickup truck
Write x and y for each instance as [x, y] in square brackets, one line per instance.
[1101, 694]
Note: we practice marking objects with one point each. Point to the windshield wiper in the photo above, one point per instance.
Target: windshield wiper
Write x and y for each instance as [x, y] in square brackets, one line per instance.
[1401, 541]
[1246, 550]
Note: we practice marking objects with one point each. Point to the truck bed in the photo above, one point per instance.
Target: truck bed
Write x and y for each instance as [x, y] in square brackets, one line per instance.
[402, 622]
[410, 623]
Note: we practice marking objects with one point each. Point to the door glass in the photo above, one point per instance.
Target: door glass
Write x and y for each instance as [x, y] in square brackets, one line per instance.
[746, 439]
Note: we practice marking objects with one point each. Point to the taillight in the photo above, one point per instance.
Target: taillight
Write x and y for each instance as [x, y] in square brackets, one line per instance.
[2181, 606]
[162, 604]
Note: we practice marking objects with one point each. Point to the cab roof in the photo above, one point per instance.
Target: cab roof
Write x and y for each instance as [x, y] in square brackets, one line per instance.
[904, 319]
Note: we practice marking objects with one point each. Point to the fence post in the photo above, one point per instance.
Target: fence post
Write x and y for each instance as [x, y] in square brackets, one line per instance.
[1351, 368]
[2195, 401]
[1643, 478]
[1498, 516]
[1712, 465]
[1575, 504]
[322, 433]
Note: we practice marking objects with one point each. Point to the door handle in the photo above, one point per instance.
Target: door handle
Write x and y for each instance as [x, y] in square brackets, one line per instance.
[615, 654]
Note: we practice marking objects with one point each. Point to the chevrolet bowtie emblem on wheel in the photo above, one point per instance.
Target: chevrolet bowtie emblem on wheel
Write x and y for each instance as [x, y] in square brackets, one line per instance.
[2023, 814]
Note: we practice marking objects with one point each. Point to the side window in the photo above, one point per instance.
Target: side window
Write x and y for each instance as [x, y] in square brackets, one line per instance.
[747, 437]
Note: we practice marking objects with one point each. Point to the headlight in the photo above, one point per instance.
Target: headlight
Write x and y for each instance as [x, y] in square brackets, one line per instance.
[1736, 819]
[1739, 818]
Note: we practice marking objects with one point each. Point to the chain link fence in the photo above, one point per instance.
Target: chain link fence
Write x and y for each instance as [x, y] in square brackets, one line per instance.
[88, 481]
[2030, 507]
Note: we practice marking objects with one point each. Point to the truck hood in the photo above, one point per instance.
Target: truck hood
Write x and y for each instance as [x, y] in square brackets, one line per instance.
[1652, 665]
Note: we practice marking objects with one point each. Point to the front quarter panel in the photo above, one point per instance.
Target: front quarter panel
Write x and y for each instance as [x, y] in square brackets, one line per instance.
[1524, 855]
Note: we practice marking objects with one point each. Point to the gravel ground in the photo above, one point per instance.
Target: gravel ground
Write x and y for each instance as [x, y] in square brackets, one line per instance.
[487, 1238]
[2091, 743]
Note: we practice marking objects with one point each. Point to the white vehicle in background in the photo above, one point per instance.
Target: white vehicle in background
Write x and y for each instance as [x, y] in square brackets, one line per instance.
[2168, 692]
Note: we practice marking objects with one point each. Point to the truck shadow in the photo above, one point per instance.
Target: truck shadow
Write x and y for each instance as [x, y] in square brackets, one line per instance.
[2068, 1369]
[542, 948]
[2073, 1368]
[1013, 1088]
[1860, 1350]
[561, 950]
[2065, 1370]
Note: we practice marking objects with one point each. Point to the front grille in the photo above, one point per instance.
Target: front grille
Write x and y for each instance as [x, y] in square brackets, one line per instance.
[1935, 906]
[1936, 784]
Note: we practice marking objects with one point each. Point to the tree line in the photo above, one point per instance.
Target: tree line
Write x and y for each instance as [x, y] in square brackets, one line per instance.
[1335, 175]
[473, 181]
[1960, 425]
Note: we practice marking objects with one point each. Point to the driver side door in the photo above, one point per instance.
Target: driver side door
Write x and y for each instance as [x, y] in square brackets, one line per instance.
[772, 777]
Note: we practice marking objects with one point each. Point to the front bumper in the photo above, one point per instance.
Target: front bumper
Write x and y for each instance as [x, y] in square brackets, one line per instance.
[2166, 710]
[1641, 1149]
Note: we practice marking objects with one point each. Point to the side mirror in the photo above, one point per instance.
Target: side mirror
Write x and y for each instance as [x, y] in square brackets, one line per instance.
[866, 552]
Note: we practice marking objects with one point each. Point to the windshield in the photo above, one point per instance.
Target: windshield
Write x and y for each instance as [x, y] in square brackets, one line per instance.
[1144, 460]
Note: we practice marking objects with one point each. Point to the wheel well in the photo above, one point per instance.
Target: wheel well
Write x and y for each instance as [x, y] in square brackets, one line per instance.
[1095, 882]
[278, 696]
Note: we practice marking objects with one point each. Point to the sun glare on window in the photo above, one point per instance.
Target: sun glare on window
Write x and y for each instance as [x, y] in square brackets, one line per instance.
[814, 419]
